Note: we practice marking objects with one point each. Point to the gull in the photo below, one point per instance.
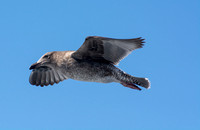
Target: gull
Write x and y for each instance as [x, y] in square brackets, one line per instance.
[94, 61]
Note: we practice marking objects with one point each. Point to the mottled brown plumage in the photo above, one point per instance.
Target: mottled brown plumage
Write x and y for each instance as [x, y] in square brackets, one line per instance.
[94, 61]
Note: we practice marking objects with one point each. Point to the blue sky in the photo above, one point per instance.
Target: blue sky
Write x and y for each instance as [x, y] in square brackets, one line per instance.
[170, 59]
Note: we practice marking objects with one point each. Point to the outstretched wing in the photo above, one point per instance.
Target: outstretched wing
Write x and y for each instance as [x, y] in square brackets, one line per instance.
[45, 75]
[107, 49]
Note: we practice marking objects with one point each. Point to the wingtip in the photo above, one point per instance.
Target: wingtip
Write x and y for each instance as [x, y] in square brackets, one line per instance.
[141, 39]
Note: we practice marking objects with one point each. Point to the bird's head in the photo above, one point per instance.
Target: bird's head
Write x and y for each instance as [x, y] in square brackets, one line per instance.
[44, 61]
[50, 59]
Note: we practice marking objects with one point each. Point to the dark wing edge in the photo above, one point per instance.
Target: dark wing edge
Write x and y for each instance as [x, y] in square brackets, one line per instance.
[107, 49]
[46, 76]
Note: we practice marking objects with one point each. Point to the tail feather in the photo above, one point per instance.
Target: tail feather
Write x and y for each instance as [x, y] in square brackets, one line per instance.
[128, 79]
[144, 82]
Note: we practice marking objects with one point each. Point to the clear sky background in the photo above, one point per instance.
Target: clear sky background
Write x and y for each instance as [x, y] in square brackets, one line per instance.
[170, 59]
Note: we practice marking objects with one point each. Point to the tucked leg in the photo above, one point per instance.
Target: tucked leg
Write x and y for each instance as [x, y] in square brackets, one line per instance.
[133, 86]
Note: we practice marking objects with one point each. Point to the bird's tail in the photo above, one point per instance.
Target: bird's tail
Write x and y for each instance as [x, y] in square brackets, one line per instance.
[131, 81]
[143, 82]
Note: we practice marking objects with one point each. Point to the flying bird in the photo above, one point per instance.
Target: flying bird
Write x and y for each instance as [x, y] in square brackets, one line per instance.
[94, 61]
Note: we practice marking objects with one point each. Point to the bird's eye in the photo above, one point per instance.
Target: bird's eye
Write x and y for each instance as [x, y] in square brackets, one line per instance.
[47, 56]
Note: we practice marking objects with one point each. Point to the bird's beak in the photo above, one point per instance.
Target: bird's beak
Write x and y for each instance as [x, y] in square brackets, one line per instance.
[33, 66]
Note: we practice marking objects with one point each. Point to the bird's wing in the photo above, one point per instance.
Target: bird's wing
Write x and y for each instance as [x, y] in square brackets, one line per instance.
[46, 75]
[107, 49]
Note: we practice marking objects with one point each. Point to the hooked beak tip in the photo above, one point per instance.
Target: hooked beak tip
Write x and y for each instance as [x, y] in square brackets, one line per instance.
[33, 66]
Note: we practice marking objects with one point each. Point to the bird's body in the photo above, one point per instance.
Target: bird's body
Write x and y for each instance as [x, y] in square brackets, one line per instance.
[84, 65]
[90, 71]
